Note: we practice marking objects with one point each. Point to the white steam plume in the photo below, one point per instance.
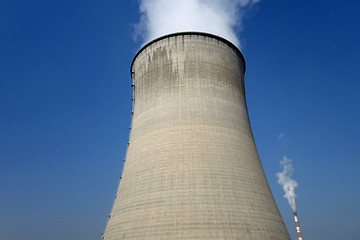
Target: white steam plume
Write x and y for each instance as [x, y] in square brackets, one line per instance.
[287, 183]
[219, 17]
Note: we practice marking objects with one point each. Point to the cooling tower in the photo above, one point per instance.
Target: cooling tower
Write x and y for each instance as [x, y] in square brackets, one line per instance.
[192, 170]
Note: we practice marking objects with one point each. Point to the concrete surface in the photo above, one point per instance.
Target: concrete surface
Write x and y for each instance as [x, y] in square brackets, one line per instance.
[192, 170]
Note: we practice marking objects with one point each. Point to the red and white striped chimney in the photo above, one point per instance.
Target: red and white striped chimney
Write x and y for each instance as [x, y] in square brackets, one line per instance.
[297, 226]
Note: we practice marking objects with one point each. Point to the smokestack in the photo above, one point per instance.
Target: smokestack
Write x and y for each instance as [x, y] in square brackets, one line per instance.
[297, 226]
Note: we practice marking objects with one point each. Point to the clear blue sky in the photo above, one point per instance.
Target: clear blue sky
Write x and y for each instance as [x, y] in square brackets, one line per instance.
[65, 105]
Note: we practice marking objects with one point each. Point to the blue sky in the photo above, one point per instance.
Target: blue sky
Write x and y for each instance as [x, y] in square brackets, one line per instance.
[65, 105]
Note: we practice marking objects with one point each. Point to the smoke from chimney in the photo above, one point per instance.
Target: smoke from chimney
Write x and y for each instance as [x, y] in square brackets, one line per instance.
[286, 182]
[219, 17]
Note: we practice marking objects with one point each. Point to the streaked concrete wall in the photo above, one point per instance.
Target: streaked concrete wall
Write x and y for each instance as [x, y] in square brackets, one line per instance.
[192, 170]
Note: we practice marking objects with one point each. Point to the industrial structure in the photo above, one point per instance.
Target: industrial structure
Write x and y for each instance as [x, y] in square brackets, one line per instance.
[192, 170]
[297, 226]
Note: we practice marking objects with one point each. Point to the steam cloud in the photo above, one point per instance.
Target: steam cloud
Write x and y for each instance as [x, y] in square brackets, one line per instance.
[281, 136]
[219, 17]
[286, 182]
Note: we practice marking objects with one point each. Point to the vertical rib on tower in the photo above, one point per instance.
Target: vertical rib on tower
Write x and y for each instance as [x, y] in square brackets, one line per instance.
[192, 170]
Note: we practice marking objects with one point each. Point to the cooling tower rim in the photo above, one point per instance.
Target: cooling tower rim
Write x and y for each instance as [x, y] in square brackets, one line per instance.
[230, 44]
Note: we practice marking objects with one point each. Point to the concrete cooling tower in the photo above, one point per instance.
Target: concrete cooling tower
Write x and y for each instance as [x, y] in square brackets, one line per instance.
[192, 170]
